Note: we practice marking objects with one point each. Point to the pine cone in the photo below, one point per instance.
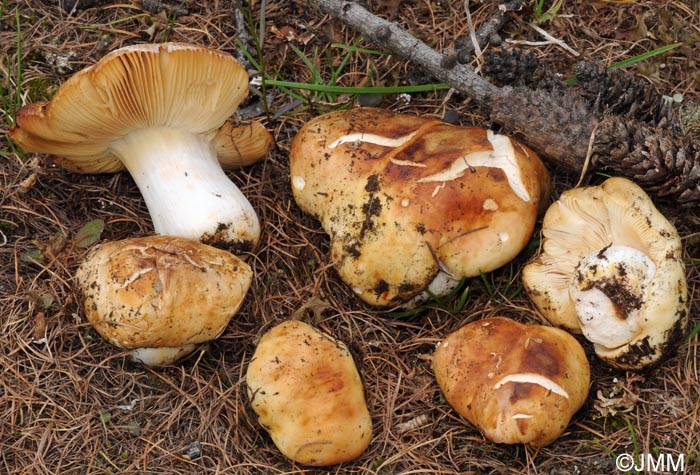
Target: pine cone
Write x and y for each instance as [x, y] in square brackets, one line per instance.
[616, 92]
[659, 160]
[557, 125]
[512, 67]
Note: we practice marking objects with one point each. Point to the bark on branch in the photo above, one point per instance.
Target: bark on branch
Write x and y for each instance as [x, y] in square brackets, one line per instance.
[560, 123]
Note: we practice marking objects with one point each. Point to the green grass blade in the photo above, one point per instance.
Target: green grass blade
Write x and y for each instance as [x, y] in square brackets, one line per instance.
[635, 59]
[695, 331]
[305, 59]
[644, 56]
[633, 435]
[18, 74]
[356, 49]
[337, 71]
[358, 90]
[610, 451]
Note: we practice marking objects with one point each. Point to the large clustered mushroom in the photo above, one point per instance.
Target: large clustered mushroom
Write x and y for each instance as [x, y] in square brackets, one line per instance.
[414, 204]
[160, 111]
[611, 267]
[161, 296]
[305, 388]
[515, 382]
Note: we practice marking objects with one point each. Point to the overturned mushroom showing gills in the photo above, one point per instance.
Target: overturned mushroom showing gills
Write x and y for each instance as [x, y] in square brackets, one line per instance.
[159, 111]
[413, 204]
[161, 296]
[516, 383]
[611, 267]
[306, 390]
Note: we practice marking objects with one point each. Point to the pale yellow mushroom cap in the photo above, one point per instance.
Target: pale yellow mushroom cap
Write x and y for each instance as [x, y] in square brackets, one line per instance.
[406, 198]
[161, 292]
[306, 390]
[611, 267]
[516, 383]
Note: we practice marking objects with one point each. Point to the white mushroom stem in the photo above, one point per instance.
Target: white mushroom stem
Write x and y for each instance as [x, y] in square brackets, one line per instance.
[441, 285]
[185, 189]
[161, 356]
[609, 290]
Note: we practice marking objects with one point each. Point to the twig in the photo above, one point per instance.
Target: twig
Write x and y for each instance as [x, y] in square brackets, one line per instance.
[554, 40]
[488, 32]
[246, 40]
[472, 33]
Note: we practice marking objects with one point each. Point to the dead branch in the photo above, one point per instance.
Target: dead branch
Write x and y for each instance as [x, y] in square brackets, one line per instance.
[487, 33]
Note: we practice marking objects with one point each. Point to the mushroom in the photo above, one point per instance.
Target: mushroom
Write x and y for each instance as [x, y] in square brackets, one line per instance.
[161, 296]
[611, 267]
[517, 383]
[414, 204]
[159, 111]
[306, 390]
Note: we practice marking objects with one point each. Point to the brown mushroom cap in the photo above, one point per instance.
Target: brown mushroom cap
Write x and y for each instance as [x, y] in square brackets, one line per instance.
[404, 197]
[161, 291]
[306, 390]
[181, 86]
[516, 383]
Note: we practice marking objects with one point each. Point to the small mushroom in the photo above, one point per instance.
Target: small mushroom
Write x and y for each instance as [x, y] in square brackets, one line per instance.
[306, 390]
[517, 383]
[414, 204]
[161, 296]
[159, 111]
[611, 267]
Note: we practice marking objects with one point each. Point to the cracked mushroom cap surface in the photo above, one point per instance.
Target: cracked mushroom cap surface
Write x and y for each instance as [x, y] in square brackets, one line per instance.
[175, 85]
[611, 267]
[307, 392]
[161, 291]
[517, 383]
[406, 198]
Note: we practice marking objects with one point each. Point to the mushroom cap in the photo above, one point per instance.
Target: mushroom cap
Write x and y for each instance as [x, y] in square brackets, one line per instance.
[176, 85]
[161, 291]
[404, 197]
[306, 390]
[517, 383]
[241, 145]
[581, 267]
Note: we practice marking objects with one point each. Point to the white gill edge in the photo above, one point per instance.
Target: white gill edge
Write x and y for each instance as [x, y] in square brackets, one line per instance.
[532, 378]
[502, 156]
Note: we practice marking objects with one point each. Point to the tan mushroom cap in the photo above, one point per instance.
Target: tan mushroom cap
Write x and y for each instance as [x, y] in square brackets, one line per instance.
[175, 85]
[404, 197]
[633, 307]
[161, 291]
[516, 383]
[306, 390]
